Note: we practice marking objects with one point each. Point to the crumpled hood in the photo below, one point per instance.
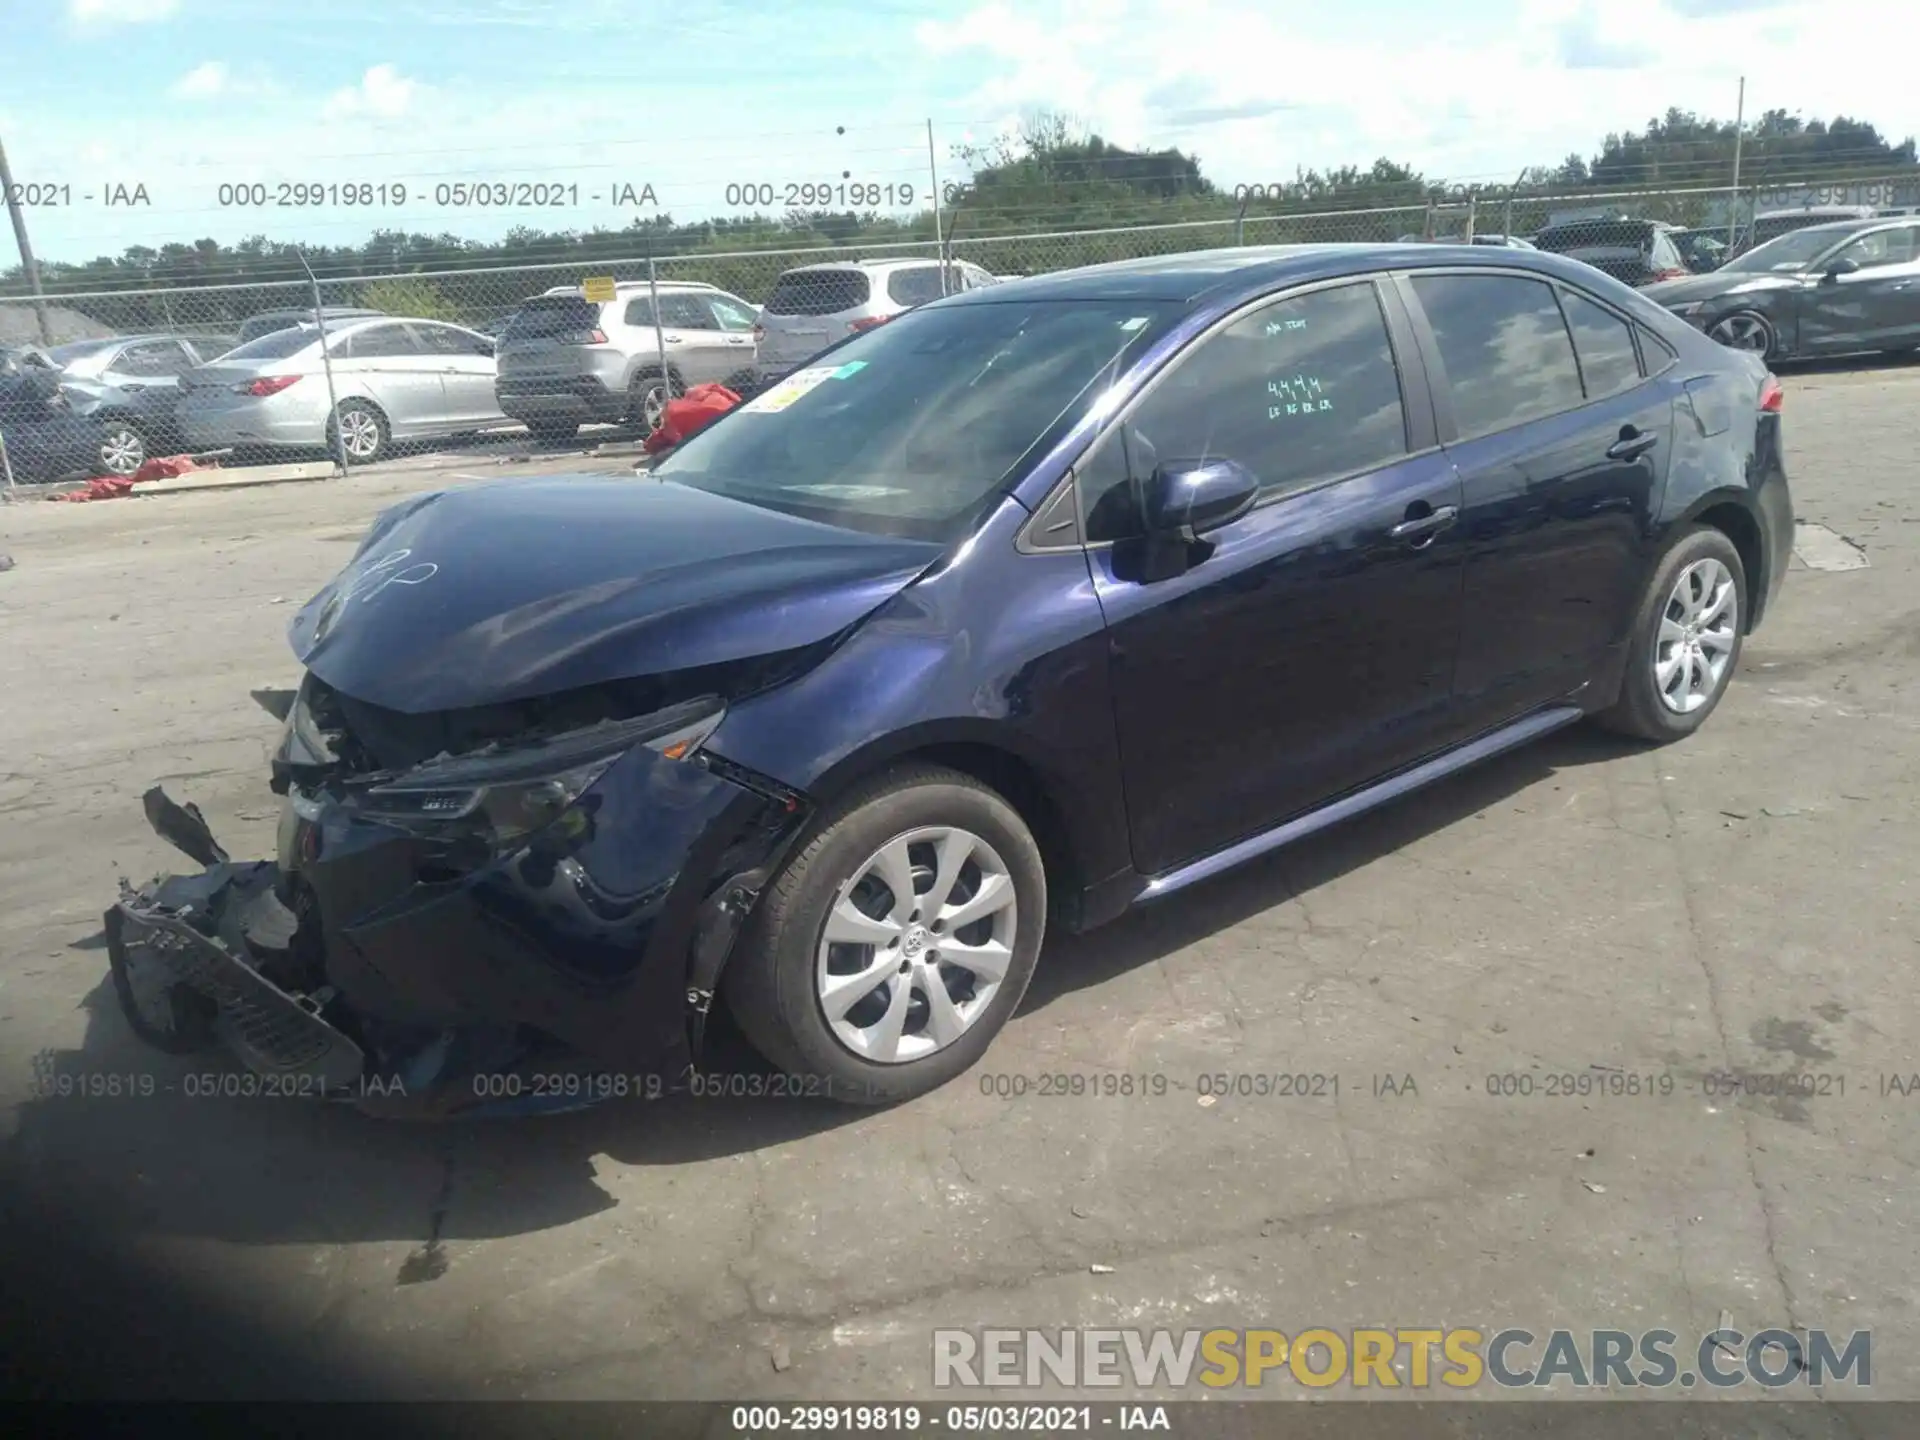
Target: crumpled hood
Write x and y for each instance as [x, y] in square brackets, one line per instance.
[1716, 285]
[514, 589]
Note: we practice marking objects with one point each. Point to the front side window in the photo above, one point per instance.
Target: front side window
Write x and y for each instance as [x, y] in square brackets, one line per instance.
[1506, 350]
[730, 313]
[1881, 248]
[1299, 391]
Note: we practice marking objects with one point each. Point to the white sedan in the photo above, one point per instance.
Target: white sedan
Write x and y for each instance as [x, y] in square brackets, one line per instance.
[393, 379]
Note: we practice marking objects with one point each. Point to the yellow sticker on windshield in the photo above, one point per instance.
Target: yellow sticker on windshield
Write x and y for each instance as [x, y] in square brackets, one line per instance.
[789, 390]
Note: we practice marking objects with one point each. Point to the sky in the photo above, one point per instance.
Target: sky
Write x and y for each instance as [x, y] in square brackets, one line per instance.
[101, 100]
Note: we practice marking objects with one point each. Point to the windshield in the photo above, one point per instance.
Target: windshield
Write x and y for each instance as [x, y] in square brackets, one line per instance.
[1790, 252]
[910, 429]
[78, 350]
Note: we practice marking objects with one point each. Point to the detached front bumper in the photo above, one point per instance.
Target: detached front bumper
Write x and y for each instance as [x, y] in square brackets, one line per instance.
[382, 966]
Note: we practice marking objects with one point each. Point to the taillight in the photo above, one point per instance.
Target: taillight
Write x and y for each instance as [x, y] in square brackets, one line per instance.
[595, 337]
[1671, 274]
[1772, 397]
[266, 385]
[858, 325]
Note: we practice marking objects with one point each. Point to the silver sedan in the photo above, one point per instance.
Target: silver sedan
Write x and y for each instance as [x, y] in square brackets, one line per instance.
[393, 379]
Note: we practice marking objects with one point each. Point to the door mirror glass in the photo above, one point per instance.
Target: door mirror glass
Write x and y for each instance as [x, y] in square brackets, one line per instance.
[1195, 496]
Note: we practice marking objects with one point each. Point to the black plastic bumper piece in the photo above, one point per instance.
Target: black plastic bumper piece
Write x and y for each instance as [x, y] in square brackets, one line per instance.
[180, 950]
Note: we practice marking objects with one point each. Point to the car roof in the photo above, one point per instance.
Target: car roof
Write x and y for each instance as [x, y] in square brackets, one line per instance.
[1200, 277]
[628, 287]
[865, 266]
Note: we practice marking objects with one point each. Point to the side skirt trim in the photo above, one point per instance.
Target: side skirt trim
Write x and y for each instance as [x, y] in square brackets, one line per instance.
[1360, 801]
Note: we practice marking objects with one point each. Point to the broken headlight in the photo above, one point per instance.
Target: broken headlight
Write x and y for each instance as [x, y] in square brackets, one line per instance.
[508, 793]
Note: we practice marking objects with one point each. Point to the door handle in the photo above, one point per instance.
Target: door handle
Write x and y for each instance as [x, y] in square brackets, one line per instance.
[1631, 446]
[1422, 528]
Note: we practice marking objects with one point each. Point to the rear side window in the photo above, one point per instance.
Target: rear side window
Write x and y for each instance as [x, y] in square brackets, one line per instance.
[1506, 350]
[553, 317]
[918, 285]
[1604, 344]
[819, 292]
[275, 344]
[1299, 391]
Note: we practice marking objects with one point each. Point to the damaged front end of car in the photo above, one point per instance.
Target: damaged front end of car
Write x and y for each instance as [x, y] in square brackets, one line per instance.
[519, 908]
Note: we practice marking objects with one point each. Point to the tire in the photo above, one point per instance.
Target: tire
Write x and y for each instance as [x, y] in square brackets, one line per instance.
[366, 430]
[1641, 709]
[122, 449]
[774, 984]
[553, 432]
[644, 385]
[1752, 329]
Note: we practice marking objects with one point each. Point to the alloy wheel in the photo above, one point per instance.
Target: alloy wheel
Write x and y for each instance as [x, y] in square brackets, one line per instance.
[122, 451]
[1743, 332]
[916, 944]
[653, 406]
[359, 433]
[1698, 631]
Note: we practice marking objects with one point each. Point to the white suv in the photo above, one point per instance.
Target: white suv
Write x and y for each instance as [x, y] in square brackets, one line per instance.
[565, 360]
[816, 305]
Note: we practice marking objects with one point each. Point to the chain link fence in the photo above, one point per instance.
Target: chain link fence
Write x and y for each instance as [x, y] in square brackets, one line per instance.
[1639, 236]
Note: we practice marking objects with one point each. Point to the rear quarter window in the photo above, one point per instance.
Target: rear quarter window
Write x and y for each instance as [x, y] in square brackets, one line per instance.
[819, 292]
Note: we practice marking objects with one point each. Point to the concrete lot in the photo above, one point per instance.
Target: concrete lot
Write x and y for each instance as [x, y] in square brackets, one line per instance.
[1745, 901]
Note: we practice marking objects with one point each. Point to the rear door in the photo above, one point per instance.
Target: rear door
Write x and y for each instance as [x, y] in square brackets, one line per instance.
[1562, 452]
[393, 367]
[807, 312]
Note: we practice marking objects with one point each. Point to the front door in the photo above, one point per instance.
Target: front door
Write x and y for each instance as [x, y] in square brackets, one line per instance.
[1876, 307]
[1562, 457]
[1309, 646]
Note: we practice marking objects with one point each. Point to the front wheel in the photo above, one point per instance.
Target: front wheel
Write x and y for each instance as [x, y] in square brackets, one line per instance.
[1746, 330]
[122, 450]
[897, 942]
[1686, 641]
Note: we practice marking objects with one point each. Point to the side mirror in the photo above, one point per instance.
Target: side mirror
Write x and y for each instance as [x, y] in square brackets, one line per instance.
[1837, 268]
[1192, 497]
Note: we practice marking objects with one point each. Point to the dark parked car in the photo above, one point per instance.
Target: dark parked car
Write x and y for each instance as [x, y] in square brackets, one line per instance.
[130, 384]
[1635, 252]
[1823, 290]
[45, 440]
[1032, 606]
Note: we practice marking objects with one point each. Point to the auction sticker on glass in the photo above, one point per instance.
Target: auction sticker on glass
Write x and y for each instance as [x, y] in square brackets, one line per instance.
[791, 389]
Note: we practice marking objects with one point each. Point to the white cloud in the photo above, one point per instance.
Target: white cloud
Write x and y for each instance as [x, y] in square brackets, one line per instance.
[1508, 84]
[202, 82]
[382, 94]
[98, 14]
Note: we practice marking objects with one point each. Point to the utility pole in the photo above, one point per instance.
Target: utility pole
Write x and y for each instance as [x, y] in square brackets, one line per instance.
[27, 262]
[939, 241]
[1739, 130]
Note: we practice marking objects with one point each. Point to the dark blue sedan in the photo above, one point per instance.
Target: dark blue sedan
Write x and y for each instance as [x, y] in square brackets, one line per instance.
[1030, 607]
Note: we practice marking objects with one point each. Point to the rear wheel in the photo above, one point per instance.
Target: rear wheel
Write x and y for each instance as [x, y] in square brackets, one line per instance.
[123, 449]
[1686, 641]
[647, 398]
[898, 942]
[360, 429]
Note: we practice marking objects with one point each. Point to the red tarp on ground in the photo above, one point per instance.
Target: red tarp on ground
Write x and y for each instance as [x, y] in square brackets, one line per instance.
[113, 487]
[698, 408]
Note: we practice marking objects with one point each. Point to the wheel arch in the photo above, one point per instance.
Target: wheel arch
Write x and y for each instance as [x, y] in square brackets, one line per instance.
[1733, 516]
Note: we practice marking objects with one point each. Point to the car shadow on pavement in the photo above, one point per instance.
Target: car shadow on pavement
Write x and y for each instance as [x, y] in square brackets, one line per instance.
[122, 1138]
